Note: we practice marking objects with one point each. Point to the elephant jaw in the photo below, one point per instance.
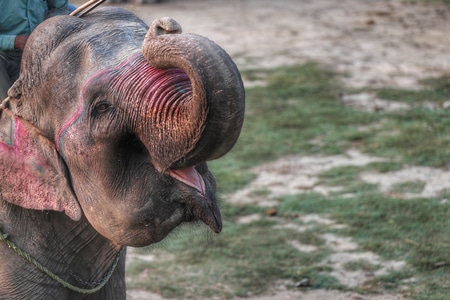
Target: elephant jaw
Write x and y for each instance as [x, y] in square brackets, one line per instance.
[203, 209]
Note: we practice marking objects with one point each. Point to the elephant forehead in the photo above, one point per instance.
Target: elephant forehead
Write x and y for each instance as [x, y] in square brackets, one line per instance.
[133, 84]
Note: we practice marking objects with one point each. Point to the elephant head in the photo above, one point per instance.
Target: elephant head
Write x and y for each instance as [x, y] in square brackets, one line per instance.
[115, 121]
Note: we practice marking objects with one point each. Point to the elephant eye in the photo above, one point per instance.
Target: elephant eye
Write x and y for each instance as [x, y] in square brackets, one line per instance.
[102, 107]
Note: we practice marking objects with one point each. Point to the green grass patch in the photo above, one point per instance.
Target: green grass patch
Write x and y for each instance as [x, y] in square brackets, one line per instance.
[412, 187]
[297, 113]
[346, 177]
[298, 105]
[417, 230]
[429, 1]
[361, 265]
[420, 136]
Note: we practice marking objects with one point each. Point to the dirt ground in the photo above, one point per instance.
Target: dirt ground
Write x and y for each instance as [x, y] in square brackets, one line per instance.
[375, 43]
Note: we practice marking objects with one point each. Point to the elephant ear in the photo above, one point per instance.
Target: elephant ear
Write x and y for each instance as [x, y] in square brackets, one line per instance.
[32, 174]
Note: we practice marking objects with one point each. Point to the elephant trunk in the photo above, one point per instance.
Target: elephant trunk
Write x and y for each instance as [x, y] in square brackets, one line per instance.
[197, 107]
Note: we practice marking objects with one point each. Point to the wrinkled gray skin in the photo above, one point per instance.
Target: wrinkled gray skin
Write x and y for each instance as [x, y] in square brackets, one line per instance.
[96, 154]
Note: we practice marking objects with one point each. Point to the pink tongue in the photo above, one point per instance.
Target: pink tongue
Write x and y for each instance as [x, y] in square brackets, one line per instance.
[189, 176]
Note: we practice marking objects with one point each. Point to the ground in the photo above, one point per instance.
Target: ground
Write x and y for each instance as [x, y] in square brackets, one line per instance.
[373, 43]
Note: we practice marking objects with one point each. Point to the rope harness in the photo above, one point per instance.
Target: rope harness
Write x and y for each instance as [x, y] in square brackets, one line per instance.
[87, 7]
[100, 284]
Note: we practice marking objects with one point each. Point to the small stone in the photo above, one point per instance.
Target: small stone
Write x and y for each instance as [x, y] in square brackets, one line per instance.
[271, 212]
[440, 264]
[305, 282]
[370, 22]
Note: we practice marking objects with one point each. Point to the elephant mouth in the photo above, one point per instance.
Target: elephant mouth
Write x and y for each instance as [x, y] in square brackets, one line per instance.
[203, 207]
[190, 177]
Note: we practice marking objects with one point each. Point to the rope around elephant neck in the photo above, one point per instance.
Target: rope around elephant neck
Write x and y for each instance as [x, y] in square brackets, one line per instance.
[26, 256]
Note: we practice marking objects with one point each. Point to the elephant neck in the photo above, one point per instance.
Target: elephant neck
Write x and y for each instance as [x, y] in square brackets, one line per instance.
[73, 251]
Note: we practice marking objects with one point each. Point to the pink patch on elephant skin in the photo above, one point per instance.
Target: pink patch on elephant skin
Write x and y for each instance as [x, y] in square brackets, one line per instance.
[20, 150]
[32, 173]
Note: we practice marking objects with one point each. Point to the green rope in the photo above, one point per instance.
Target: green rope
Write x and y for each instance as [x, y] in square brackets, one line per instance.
[11, 245]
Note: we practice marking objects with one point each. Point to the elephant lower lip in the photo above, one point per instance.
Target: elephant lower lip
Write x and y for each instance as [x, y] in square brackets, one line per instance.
[215, 223]
[206, 211]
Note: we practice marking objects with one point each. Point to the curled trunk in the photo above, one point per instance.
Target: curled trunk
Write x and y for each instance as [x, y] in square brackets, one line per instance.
[206, 120]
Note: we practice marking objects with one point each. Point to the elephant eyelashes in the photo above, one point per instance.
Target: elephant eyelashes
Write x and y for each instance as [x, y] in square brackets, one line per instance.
[102, 107]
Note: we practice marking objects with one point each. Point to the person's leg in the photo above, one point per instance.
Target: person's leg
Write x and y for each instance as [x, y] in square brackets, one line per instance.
[9, 70]
[5, 80]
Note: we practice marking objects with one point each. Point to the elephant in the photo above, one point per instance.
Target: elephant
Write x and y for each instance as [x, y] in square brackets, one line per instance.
[104, 143]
